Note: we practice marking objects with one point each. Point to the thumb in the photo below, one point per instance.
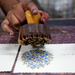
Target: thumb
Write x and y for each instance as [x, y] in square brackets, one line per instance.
[6, 27]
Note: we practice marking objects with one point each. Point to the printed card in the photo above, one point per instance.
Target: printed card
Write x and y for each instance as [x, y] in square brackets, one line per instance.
[54, 58]
[7, 56]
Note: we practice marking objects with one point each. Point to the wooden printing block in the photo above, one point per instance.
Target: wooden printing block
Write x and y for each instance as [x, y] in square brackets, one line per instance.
[34, 34]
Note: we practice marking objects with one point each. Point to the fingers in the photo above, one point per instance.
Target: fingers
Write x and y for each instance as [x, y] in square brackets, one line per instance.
[19, 13]
[14, 21]
[10, 20]
[16, 16]
[5, 26]
[33, 8]
[44, 16]
[28, 5]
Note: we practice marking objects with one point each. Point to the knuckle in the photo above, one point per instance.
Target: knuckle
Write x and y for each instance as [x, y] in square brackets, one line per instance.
[30, 4]
[46, 15]
[15, 23]
[20, 16]
[26, 4]
[19, 13]
[22, 20]
[9, 13]
[2, 24]
[14, 6]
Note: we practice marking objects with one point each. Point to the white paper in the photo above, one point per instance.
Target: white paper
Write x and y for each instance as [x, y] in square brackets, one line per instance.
[7, 56]
[63, 60]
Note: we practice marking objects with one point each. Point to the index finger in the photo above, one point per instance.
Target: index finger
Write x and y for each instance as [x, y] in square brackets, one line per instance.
[5, 26]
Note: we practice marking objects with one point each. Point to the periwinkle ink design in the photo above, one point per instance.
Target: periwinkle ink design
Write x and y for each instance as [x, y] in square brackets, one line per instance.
[36, 58]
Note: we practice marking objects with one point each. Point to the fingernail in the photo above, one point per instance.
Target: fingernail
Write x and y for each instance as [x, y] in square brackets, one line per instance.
[11, 33]
[35, 11]
[43, 20]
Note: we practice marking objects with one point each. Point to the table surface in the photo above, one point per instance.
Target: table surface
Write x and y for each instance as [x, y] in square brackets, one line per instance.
[62, 32]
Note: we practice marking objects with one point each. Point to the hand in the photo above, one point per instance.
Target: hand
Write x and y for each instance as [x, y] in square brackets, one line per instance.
[16, 16]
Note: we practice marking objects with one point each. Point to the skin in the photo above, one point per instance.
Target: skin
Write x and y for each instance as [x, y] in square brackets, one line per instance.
[15, 14]
[6, 5]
